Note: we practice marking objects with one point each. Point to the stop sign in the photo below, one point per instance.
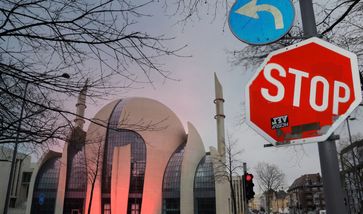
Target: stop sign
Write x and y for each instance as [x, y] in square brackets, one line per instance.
[302, 93]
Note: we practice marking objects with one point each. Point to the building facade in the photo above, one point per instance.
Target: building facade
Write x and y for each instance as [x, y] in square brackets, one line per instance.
[238, 194]
[278, 201]
[351, 159]
[20, 184]
[306, 195]
[255, 203]
[134, 158]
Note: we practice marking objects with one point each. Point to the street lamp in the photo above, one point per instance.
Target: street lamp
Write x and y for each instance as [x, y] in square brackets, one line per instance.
[15, 151]
[65, 75]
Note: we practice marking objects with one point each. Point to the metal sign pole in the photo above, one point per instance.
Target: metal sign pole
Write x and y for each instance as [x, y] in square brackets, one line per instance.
[333, 191]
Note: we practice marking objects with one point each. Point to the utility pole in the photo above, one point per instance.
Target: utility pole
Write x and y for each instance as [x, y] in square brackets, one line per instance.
[15, 151]
[333, 191]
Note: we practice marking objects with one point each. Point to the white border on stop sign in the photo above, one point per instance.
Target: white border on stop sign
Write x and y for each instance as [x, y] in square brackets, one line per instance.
[356, 83]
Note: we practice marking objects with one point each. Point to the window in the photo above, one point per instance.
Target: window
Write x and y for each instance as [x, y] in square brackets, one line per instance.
[76, 179]
[204, 187]
[75, 211]
[26, 177]
[107, 208]
[308, 195]
[121, 137]
[12, 202]
[171, 182]
[45, 187]
[135, 208]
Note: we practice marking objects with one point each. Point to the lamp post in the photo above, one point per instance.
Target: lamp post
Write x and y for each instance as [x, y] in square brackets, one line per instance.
[15, 150]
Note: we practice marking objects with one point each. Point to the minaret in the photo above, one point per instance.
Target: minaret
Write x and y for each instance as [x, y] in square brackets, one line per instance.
[219, 117]
[75, 144]
[81, 106]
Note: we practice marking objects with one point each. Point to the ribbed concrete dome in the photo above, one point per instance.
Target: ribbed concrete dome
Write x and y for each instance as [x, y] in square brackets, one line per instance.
[161, 132]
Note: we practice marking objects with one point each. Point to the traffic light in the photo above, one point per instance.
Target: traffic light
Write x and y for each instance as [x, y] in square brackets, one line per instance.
[249, 193]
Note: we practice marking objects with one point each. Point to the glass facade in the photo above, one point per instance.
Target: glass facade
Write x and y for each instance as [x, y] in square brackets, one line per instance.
[171, 183]
[76, 179]
[45, 187]
[121, 137]
[204, 187]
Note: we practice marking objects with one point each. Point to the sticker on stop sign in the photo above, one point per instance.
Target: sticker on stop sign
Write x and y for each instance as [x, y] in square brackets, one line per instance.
[302, 93]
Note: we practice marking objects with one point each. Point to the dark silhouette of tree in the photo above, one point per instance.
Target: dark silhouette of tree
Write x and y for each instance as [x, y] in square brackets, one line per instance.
[100, 41]
[337, 22]
[350, 166]
[94, 164]
[43, 41]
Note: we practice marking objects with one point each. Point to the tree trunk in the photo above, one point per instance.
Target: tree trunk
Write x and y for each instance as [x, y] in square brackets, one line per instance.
[99, 155]
[91, 196]
[268, 203]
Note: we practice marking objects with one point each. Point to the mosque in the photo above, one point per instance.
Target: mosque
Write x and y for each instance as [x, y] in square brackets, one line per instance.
[135, 157]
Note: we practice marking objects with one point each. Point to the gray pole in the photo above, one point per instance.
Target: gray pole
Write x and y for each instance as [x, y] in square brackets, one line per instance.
[13, 161]
[308, 18]
[333, 191]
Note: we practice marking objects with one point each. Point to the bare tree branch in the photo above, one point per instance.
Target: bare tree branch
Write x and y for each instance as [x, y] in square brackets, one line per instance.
[101, 41]
[270, 178]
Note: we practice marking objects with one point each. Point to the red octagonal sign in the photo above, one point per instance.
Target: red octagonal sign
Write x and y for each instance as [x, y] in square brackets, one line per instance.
[302, 93]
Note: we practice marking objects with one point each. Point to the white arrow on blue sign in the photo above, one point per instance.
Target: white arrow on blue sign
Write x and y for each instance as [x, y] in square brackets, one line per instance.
[260, 22]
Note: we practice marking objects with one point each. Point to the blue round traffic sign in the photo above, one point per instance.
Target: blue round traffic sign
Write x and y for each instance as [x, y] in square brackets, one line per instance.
[260, 22]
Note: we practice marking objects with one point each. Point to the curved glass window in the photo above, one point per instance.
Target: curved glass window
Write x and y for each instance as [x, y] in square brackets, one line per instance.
[122, 137]
[45, 187]
[76, 179]
[171, 182]
[204, 187]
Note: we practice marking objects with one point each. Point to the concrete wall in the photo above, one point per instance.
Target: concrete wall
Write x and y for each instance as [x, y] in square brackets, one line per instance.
[19, 189]
[120, 181]
[223, 195]
[193, 153]
[62, 182]
[4, 177]
[237, 186]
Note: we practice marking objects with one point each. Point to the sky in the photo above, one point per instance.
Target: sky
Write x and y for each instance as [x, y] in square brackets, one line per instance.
[191, 96]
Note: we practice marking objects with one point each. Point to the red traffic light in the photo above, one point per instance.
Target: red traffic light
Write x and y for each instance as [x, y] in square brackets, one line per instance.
[249, 177]
[248, 186]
